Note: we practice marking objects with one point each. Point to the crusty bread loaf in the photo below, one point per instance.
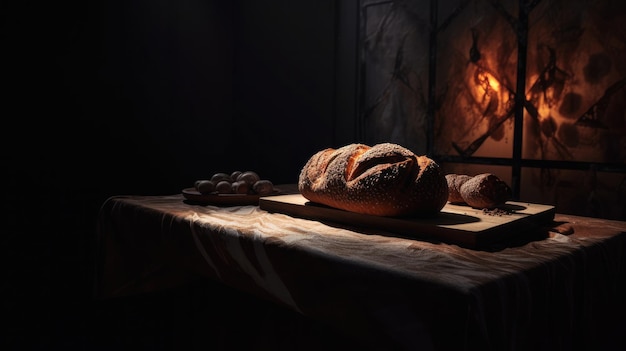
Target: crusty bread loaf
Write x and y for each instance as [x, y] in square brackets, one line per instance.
[484, 190]
[384, 180]
[454, 187]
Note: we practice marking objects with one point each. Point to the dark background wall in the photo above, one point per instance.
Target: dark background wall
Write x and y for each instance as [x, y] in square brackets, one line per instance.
[150, 95]
[106, 98]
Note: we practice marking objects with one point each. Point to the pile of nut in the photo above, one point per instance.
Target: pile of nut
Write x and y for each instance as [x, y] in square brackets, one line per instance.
[247, 183]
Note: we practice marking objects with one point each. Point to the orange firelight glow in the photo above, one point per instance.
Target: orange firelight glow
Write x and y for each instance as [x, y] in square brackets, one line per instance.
[486, 82]
[491, 98]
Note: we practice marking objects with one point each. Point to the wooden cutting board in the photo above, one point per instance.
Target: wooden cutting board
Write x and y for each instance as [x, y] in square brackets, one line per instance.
[456, 224]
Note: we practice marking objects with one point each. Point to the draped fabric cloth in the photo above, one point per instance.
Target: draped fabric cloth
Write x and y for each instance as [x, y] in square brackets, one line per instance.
[558, 291]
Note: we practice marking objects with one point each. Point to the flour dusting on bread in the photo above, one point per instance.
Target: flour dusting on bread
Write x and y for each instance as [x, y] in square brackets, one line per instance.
[385, 179]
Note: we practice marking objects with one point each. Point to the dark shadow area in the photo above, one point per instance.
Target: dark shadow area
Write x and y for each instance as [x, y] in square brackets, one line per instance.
[205, 316]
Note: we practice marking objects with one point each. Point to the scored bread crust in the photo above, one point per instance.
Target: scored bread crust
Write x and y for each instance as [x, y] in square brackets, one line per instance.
[384, 180]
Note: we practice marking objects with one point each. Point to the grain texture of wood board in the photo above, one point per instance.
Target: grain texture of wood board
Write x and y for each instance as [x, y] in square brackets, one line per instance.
[455, 224]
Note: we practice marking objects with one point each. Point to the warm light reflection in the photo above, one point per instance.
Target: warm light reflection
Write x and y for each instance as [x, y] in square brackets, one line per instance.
[486, 82]
[533, 94]
[490, 98]
[541, 99]
[543, 110]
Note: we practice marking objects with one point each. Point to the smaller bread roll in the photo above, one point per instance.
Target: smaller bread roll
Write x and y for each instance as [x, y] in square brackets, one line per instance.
[263, 187]
[224, 187]
[485, 191]
[454, 186]
[240, 187]
[205, 186]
